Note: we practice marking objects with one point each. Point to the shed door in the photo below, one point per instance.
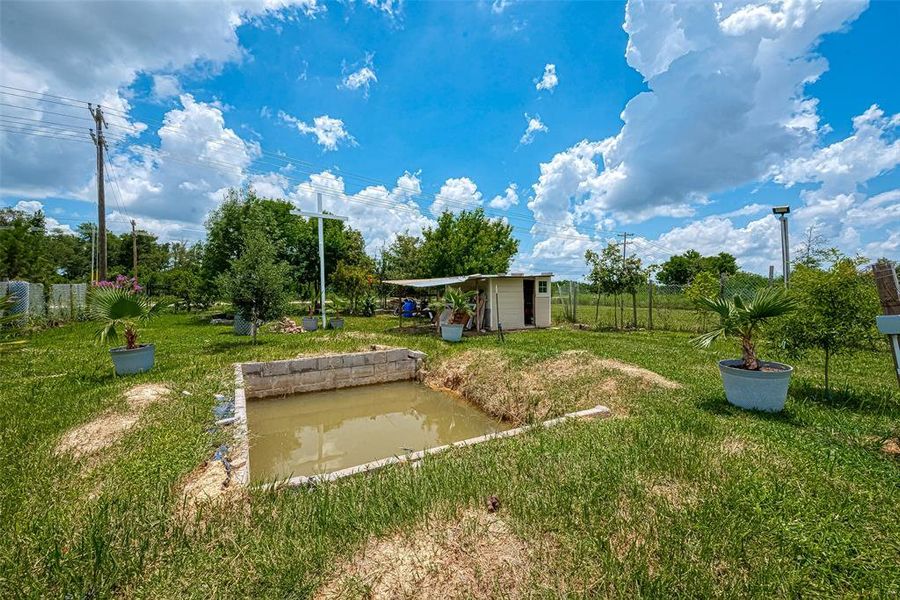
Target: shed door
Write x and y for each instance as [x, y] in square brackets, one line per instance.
[528, 298]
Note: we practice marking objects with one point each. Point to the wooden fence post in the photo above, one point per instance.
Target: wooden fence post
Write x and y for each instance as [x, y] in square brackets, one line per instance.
[650, 305]
[889, 293]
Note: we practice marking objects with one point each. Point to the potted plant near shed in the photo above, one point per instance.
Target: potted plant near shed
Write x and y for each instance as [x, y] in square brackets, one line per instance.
[750, 382]
[458, 302]
[124, 308]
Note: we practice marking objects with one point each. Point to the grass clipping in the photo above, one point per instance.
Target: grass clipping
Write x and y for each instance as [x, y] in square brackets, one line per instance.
[473, 556]
[574, 380]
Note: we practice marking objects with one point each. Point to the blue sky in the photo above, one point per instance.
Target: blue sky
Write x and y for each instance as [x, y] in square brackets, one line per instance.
[727, 111]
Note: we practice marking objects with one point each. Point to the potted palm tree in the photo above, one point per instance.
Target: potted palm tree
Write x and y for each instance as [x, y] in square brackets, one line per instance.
[124, 308]
[458, 302]
[310, 322]
[749, 382]
[338, 304]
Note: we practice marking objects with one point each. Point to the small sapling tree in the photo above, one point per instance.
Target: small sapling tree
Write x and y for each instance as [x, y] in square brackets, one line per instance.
[256, 282]
[836, 309]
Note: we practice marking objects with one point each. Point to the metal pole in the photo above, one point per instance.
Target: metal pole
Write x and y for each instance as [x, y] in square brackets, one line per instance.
[321, 256]
[134, 249]
[785, 251]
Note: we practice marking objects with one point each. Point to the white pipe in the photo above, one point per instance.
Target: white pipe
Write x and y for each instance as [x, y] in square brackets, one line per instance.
[321, 255]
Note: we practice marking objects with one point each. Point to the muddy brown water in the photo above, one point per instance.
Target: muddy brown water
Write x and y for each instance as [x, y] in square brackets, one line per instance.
[319, 432]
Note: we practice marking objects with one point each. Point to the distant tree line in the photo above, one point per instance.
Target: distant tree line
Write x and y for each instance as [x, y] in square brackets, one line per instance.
[193, 273]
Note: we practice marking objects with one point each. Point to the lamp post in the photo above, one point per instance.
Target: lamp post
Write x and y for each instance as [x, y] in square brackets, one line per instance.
[781, 212]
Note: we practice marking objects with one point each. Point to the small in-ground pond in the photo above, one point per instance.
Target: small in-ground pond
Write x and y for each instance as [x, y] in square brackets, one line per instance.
[319, 432]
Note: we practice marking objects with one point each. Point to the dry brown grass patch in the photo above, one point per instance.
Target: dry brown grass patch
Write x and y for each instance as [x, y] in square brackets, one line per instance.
[108, 428]
[476, 555]
[734, 446]
[571, 381]
[634, 534]
[208, 485]
[678, 495]
[891, 447]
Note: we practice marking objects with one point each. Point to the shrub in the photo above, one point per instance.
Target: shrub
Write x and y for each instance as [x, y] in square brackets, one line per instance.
[836, 309]
[256, 282]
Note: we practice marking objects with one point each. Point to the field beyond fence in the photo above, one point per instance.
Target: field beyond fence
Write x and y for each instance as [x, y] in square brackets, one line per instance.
[663, 307]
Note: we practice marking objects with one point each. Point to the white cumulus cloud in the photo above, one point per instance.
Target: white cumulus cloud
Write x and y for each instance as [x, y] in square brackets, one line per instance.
[535, 125]
[509, 198]
[329, 132]
[456, 194]
[361, 77]
[549, 80]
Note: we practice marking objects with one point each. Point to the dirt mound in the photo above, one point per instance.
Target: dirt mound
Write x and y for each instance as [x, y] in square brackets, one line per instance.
[108, 428]
[473, 556]
[891, 447]
[571, 381]
[208, 485]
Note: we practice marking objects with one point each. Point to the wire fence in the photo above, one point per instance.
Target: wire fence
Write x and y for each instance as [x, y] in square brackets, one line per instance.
[66, 301]
[653, 306]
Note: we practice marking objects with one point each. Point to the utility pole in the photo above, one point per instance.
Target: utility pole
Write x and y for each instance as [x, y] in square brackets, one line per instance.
[100, 143]
[134, 249]
[93, 253]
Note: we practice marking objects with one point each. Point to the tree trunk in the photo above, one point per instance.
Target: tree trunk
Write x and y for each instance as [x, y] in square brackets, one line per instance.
[749, 355]
[634, 308]
[616, 311]
[597, 309]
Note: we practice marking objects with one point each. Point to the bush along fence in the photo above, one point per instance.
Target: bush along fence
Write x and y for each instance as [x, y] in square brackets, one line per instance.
[65, 301]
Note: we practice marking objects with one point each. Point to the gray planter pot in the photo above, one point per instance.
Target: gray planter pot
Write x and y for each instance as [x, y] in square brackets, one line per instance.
[310, 323]
[756, 390]
[336, 323]
[241, 325]
[451, 333]
[138, 360]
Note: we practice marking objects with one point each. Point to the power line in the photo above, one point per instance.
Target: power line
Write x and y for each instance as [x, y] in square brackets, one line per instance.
[285, 160]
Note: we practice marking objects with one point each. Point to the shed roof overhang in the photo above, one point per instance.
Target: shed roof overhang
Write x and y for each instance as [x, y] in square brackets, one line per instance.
[441, 281]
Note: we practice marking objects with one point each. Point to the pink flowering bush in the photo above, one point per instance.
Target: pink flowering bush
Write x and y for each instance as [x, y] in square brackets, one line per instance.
[120, 283]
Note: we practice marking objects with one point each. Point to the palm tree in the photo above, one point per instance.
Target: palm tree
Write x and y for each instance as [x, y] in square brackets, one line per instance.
[116, 307]
[458, 302]
[743, 318]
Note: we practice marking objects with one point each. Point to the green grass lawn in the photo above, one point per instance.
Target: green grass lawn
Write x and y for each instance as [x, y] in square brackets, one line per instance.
[684, 496]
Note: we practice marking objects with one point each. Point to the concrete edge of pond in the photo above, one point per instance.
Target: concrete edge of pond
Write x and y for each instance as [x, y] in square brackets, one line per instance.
[300, 481]
[241, 455]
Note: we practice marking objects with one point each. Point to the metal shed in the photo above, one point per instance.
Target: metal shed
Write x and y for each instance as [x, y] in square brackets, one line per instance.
[517, 300]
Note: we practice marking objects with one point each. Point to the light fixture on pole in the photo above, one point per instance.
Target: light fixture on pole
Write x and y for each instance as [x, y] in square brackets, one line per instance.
[781, 212]
[321, 216]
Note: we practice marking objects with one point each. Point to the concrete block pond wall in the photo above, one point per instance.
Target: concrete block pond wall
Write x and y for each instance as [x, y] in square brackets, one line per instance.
[316, 373]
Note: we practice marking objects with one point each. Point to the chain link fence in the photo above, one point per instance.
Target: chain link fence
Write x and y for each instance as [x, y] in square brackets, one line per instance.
[67, 301]
[653, 306]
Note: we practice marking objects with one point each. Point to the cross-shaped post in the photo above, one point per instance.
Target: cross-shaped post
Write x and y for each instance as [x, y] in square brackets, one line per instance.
[321, 216]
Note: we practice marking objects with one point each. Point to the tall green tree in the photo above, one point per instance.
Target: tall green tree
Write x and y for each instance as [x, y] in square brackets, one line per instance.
[295, 238]
[403, 258]
[680, 269]
[23, 248]
[255, 281]
[183, 278]
[467, 243]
